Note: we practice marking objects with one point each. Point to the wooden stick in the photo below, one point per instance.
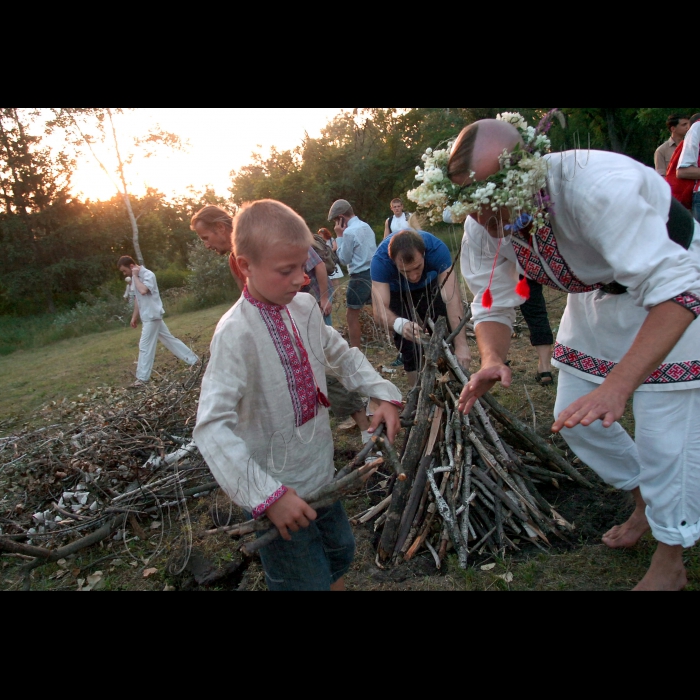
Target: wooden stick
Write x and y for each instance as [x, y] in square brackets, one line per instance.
[450, 521]
[414, 501]
[539, 446]
[466, 318]
[417, 519]
[377, 510]
[414, 449]
[392, 459]
[363, 454]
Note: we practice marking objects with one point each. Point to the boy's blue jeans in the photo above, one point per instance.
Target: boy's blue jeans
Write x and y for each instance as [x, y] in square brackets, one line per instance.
[316, 558]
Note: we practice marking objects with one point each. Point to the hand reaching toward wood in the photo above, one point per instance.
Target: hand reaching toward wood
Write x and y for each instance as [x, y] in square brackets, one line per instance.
[481, 383]
[290, 513]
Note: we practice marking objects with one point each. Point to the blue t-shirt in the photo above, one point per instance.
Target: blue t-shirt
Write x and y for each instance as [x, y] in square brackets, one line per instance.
[437, 260]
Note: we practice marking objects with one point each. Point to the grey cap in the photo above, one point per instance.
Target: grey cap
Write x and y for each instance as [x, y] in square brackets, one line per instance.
[340, 208]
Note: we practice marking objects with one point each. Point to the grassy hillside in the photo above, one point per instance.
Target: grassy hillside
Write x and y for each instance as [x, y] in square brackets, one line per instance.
[63, 370]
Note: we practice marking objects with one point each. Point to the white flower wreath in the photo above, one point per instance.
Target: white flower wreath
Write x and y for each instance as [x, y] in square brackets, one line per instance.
[519, 185]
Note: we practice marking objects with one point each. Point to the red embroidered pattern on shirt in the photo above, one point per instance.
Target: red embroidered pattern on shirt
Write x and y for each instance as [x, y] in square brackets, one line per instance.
[262, 508]
[549, 250]
[300, 376]
[672, 373]
[689, 301]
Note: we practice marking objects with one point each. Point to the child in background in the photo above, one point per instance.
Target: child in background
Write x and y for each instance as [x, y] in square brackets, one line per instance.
[263, 424]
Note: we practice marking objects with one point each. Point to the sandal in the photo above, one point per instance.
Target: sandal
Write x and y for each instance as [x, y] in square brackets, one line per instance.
[544, 378]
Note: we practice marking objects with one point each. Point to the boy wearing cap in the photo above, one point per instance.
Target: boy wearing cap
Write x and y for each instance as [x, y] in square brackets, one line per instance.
[357, 245]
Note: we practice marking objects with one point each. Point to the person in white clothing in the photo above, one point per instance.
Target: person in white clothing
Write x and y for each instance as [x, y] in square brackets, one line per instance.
[399, 221]
[689, 165]
[605, 231]
[148, 308]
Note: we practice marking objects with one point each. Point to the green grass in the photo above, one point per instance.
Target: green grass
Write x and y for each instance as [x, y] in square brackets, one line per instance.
[32, 378]
[98, 316]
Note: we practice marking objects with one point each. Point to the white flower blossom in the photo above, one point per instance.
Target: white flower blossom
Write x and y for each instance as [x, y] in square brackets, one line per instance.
[514, 118]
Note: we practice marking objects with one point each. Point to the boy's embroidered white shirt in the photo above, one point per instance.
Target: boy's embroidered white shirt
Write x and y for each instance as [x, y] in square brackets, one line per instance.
[247, 420]
[609, 220]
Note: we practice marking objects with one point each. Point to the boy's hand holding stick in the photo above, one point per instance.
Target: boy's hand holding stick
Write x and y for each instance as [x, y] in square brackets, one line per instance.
[386, 414]
[291, 513]
[321, 498]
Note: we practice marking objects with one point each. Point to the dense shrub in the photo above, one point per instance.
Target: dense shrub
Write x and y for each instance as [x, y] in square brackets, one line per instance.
[172, 277]
[98, 312]
[210, 281]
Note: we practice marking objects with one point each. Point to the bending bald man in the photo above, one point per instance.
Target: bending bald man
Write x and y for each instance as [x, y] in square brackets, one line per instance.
[631, 264]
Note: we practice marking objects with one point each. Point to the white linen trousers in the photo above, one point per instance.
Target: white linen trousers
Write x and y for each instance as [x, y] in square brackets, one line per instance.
[151, 333]
[663, 459]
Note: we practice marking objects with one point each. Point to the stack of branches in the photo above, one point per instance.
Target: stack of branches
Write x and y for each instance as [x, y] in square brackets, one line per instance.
[470, 482]
[127, 460]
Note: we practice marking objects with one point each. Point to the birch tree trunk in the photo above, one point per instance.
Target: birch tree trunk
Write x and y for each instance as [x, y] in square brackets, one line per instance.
[125, 194]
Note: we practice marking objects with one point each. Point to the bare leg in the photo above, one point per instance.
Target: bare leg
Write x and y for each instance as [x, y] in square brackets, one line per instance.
[667, 571]
[354, 329]
[628, 535]
[338, 585]
[544, 352]
[361, 420]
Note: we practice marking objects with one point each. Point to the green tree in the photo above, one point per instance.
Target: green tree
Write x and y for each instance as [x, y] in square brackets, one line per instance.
[34, 192]
[86, 126]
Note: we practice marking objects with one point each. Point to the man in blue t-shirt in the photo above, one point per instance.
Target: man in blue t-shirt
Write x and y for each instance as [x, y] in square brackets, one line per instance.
[407, 272]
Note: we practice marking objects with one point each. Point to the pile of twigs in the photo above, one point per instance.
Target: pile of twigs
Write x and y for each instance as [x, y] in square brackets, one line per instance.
[471, 482]
[123, 463]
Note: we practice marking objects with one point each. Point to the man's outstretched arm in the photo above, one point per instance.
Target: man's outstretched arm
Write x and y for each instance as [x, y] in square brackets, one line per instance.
[493, 340]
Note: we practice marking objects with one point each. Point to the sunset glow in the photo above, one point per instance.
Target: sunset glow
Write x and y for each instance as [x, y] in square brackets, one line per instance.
[220, 140]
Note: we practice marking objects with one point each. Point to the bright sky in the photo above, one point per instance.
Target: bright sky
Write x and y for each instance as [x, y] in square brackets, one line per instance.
[221, 140]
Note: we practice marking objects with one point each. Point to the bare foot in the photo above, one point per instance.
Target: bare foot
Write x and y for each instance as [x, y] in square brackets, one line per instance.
[628, 535]
[667, 572]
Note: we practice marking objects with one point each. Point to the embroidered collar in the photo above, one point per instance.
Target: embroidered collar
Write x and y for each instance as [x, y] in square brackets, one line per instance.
[304, 391]
[259, 304]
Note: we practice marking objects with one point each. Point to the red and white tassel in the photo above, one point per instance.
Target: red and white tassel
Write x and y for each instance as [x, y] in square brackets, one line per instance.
[523, 289]
[322, 398]
[487, 297]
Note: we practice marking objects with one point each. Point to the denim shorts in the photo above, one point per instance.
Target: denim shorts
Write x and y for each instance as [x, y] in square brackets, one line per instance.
[359, 292]
[343, 402]
[316, 558]
[696, 206]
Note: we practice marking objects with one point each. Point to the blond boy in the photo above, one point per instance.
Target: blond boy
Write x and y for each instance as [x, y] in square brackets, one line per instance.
[263, 424]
